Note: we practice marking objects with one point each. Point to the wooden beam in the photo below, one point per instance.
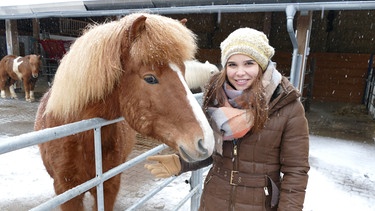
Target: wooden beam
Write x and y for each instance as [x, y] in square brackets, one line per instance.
[11, 34]
[36, 35]
[304, 23]
[267, 23]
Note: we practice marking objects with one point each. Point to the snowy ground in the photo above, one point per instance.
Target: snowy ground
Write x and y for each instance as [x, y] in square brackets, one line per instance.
[342, 177]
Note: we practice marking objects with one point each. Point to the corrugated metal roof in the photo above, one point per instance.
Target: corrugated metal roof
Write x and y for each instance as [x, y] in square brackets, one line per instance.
[22, 9]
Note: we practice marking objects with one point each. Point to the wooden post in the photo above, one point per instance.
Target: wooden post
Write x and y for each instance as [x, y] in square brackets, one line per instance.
[304, 23]
[11, 34]
[36, 35]
[267, 24]
[13, 48]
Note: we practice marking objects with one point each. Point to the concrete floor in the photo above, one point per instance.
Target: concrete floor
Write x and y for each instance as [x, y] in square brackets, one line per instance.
[341, 120]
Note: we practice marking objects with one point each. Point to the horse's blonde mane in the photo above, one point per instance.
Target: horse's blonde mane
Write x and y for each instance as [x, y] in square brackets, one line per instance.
[92, 67]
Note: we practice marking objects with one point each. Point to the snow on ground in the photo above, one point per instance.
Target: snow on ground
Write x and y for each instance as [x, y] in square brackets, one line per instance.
[24, 181]
[342, 177]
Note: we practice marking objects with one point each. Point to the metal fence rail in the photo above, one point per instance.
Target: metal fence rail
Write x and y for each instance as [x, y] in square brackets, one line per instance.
[49, 134]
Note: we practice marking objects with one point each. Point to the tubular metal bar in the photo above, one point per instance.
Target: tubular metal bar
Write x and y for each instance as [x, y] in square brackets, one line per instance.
[199, 97]
[195, 190]
[151, 194]
[67, 195]
[120, 168]
[99, 167]
[196, 181]
[290, 12]
[37, 137]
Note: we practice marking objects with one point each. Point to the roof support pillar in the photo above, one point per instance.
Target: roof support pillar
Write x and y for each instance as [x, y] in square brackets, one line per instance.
[11, 34]
[304, 23]
[36, 35]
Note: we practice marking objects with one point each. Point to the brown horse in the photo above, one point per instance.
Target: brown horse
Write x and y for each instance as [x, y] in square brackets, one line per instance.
[13, 68]
[133, 68]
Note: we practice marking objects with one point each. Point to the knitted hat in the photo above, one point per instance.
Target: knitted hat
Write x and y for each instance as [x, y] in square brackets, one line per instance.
[249, 42]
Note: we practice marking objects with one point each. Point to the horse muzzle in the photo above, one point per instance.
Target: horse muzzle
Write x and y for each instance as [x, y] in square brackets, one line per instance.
[200, 153]
[35, 75]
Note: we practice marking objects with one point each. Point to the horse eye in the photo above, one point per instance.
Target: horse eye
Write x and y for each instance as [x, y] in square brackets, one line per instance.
[151, 79]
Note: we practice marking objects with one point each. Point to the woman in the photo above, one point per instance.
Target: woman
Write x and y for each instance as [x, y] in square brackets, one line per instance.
[262, 139]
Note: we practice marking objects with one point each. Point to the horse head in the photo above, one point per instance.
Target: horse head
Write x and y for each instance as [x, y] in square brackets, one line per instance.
[156, 99]
[35, 63]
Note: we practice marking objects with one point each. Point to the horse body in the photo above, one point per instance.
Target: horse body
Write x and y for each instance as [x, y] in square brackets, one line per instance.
[134, 68]
[70, 161]
[13, 68]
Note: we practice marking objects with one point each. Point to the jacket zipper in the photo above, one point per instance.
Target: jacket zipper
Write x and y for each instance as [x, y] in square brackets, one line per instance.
[234, 148]
[235, 168]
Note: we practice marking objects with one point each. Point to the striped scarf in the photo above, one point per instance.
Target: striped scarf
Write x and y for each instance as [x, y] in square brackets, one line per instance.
[233, 121]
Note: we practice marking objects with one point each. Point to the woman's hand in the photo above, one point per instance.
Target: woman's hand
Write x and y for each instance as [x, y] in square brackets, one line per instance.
[166, 166]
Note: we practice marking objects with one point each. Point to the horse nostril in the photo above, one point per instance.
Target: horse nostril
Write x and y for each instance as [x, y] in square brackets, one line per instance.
[201, 147]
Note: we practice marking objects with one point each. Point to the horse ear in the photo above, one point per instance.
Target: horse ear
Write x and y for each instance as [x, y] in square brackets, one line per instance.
[137, 27]
[183, 21]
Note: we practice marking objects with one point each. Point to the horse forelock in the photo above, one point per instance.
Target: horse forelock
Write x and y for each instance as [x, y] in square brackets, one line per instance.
[164, 40]
[35, 61]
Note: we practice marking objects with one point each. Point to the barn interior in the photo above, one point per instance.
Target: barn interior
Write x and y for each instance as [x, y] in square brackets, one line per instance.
[324, 47]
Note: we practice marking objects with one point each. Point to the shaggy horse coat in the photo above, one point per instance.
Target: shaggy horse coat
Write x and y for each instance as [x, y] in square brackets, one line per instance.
[197, 74]
[133, 68]
[13, 68]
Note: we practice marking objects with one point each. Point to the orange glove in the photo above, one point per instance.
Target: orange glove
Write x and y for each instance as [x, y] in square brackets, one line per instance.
[166, 166]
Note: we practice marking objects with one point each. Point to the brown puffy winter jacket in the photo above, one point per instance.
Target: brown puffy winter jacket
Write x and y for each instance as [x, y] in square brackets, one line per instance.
[242, 178]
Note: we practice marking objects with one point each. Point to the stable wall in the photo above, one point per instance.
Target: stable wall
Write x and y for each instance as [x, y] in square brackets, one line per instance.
[340, 45]
[339, 77]
[342, 32]
[335, 77]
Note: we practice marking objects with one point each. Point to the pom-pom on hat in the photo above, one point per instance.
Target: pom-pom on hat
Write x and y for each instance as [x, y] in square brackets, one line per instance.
[249, 42]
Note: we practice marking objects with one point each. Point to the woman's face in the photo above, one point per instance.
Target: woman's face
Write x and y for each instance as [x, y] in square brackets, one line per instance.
[241, 71]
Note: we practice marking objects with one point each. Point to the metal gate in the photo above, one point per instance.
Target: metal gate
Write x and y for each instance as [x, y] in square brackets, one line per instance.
[50, 134]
